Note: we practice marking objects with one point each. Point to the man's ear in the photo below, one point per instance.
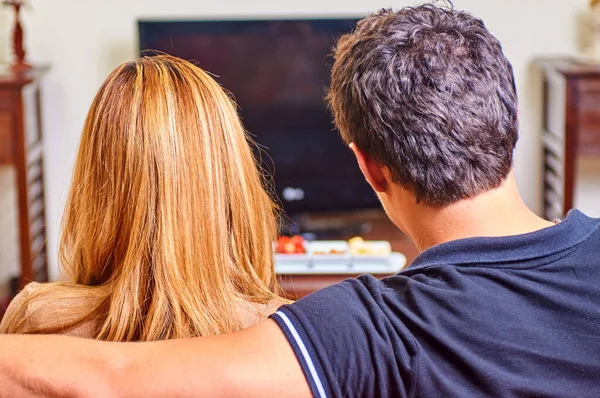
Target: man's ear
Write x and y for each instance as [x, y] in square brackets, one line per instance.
[372, 170]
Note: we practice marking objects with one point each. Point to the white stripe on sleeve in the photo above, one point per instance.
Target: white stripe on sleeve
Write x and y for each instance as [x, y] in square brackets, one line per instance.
[305, 354]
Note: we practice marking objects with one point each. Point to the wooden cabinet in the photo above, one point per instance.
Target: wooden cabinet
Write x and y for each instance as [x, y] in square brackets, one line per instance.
[571, 127]
[21, 147]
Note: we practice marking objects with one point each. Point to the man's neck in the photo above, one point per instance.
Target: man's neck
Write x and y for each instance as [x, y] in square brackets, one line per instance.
[498, 212]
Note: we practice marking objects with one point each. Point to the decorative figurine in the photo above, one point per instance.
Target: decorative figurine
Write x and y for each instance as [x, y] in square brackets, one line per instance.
[19, 64]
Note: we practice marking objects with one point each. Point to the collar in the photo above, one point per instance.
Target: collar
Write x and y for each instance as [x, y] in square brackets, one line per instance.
[572, 230]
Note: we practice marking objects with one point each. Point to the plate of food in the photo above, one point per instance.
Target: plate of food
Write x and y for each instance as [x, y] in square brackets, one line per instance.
[290, 245]
[329, 253]
[290, 255]
[360, 248]
[294, 255]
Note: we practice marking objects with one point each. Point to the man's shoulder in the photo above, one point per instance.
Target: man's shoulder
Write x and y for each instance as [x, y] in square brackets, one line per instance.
[341, 329]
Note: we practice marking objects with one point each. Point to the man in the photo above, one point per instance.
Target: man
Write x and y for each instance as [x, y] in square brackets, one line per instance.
[500, 302]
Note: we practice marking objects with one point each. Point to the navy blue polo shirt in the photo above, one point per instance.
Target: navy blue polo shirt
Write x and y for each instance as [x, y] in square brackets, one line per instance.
[514, 316]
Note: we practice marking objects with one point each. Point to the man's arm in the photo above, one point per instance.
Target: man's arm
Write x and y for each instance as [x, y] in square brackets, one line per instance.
[257, 362]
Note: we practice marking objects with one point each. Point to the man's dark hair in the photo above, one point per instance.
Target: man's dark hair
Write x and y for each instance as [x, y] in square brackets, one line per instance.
[427, 92]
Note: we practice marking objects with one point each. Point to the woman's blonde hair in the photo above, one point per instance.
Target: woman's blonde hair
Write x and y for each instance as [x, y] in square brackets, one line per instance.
[167, 228]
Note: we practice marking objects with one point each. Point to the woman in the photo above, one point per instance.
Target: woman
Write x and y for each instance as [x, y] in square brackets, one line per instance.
[168, 232]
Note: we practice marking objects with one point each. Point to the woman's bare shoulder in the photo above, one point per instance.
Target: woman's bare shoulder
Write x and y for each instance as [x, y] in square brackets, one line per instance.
[18, 307]
[47, 311]
[252, 313]
[273, 305]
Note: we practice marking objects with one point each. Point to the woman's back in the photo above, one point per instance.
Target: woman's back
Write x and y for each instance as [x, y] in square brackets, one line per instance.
[168, 231]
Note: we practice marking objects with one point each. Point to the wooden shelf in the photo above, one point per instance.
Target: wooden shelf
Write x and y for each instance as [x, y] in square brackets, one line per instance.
[571, 126]
[21, 147]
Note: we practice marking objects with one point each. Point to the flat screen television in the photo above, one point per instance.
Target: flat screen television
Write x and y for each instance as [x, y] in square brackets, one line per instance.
[278, 71]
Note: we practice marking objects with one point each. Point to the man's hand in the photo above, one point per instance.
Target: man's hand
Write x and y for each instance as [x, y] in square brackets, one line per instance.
[257, 362]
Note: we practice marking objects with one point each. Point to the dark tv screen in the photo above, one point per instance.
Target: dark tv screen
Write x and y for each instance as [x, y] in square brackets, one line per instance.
[278, 72]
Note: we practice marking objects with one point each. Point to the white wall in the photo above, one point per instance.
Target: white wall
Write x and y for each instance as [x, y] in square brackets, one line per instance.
[85, 39]
[8, 238]
[587, 186]
[9, 257]
[4, 35]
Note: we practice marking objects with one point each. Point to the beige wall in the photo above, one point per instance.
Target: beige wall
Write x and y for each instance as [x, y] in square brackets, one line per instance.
[8, 199]
[9, 255]
[4, 35]
[587, 186]
[85, 39]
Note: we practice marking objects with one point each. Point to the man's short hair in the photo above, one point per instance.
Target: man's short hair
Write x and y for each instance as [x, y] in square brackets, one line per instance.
[427, 92]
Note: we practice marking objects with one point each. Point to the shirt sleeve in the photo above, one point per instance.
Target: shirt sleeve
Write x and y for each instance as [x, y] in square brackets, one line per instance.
[348, 343]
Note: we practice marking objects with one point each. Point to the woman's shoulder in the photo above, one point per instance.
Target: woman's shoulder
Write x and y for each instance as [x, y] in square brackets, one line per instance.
[273, 305]
[47, 306]
[252, 313]
[18, 307]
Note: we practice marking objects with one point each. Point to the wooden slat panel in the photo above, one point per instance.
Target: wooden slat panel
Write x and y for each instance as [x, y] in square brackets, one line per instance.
[553, 202]
[36, 208]
[36, 189]
[553, 198]
[554, 164]
[554, 182]
[37, 225]
[553, 144]
[34, 152]
[34, 172]
[37, 245]
[19, 97]
[39, 261]
[39, 267]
